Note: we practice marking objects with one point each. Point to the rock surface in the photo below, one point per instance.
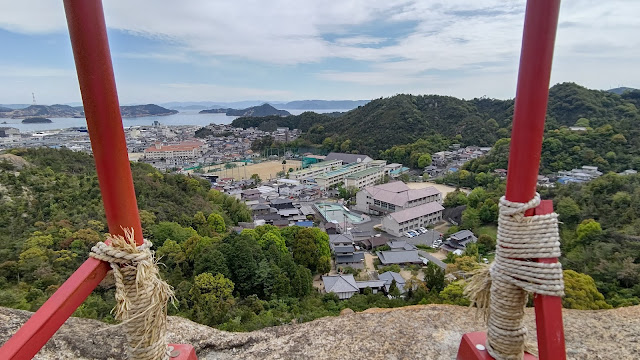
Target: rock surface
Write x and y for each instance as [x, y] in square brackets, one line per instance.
[414, 332]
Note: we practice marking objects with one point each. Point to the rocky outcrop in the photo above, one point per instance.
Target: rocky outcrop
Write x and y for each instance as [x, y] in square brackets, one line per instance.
[414, 332]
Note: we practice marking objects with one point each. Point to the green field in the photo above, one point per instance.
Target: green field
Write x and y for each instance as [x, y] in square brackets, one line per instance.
[491, 230]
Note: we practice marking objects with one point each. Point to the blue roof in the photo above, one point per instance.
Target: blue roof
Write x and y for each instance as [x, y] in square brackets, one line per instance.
[305, 223]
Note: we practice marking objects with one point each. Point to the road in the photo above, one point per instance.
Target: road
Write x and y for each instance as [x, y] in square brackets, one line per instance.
[432, 259]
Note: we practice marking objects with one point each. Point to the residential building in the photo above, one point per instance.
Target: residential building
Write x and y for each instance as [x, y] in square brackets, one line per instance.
[399, 222]
[400, 245]
[373, 242]
[394, 196]
[402, 257]
[361, 179]
[388, 278]
[340, 240]
[376, 286]
[342, 285]
[459, 241]
[628, 172]
[282, 204]
[348, 158]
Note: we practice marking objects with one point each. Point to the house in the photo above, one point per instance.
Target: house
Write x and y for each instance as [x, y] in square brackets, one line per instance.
[260, 209]
[375, 285]
[343, 285]
[401, 257]
[331, 228]
[281, 204]
[459, 241]
[400, 222]
[340, 240]
[354, 260]
[372, 242]
[251, 194]
[388, 278]
[394, 196]
[348, 158]
[400, 245]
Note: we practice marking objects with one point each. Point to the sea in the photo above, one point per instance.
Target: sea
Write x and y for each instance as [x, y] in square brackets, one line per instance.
[186, 117]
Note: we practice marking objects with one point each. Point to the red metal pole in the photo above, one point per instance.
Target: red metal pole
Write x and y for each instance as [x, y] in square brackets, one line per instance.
[541, 22]
[88, 32]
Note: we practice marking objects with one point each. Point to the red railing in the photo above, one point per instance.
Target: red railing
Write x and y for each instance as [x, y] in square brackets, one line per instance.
[88, 32]
[541, 22]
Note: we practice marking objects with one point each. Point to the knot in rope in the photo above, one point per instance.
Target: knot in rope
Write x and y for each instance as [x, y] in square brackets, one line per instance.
[500, 291]
[141, 295]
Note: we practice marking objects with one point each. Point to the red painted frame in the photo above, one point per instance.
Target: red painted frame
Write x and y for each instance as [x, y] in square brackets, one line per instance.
[541, 22]
[88, 32]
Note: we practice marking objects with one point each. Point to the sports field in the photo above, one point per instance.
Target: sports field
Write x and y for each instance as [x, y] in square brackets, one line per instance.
[266, 170]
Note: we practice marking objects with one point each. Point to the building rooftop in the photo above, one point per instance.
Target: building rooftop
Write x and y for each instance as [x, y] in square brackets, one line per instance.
[398, 193]
[340, 283]
[398, 257]
[347, 158]
[363, 173]
[416, 212]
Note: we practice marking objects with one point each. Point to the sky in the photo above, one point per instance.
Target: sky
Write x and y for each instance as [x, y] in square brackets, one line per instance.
[281, 50]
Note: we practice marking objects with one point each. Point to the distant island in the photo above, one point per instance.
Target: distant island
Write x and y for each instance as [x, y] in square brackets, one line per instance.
[36, 120]
[254, 111]
[324, 104]
[66, 111]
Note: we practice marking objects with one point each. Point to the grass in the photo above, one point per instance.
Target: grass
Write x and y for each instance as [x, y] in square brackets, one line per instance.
[426, 248]
[491, 230]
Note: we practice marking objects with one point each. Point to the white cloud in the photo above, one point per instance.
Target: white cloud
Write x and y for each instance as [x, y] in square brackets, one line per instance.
[455, 41]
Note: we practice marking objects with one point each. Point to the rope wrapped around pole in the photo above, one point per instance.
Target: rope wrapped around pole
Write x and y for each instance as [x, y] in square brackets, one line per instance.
[500, 291]
[141, 295]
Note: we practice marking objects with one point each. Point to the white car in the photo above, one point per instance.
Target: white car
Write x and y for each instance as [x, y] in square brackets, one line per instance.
[422, 230]
[409, 235]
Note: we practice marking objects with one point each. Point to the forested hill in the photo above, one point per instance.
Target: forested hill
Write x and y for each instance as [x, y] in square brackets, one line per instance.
[404, 119]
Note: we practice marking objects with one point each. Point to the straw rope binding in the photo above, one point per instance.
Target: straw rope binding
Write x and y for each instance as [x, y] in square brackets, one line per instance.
[141, 295]
[500, 290]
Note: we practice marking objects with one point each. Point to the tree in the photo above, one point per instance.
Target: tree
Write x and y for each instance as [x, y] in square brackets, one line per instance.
[486, 243]
[568, 211]
[580, 292]
[588, 231]
[454, 294]
[424, 160]
[470, 219]
[476, 197]
[216, 223]
[305, 252]
[393, 289]
[210, 260]
[434, 277]
[273, 238]
[455, 198]
[257, 178]
[465, 264]
[489, 212]
[582, 122]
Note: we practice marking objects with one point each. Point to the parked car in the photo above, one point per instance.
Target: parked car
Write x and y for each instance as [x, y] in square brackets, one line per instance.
[422, 230]
[436, 244]
[409, 234]
[413, 232]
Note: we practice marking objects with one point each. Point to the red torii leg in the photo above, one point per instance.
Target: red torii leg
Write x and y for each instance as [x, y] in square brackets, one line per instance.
[541, 21]
[88, 32]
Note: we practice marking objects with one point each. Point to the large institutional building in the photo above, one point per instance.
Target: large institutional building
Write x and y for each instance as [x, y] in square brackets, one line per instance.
[405, 208]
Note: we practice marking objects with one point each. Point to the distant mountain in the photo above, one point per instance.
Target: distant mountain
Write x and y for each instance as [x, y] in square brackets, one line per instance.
[254, 111]
[201, 105]
[323, 104]
[621, 90]
[66, 111]
[5, 109]
[145, 110]
[15, 106]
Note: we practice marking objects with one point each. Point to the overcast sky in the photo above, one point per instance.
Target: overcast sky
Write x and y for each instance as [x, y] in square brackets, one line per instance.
[203, 50]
